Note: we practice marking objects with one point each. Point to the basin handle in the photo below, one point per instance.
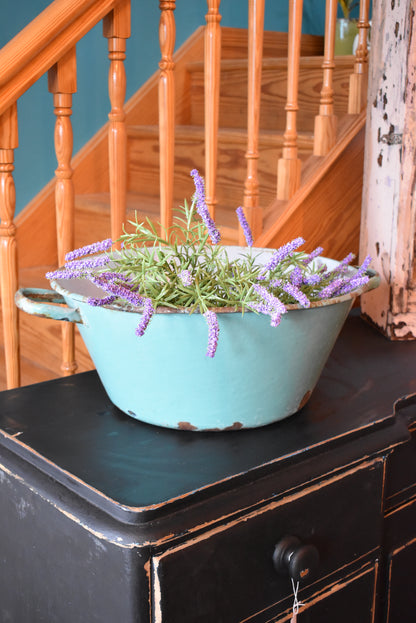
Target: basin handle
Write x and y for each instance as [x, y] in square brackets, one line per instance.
[38, 302]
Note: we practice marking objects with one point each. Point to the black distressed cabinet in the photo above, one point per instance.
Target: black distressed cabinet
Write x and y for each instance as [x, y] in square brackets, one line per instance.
[104, 519]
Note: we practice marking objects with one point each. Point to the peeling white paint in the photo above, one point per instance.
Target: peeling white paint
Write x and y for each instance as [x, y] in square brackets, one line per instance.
[389, 211]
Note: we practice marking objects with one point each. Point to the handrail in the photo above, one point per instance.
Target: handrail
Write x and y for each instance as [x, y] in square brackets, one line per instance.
[36, 48]
[47, 44]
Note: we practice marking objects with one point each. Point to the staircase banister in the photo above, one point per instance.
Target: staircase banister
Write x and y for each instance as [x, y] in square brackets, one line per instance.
[36, 48]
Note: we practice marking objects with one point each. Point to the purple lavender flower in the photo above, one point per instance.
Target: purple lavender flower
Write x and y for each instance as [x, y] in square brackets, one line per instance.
[271, 306]
[313, 255]
[186, 277]
[363, 267]
[123, 292]
[342, 267]
[293, 291]
[354, 283]
[331, 288]
[272, 302]
[96, 302]
[275, 319]
[245, 226]
[296, 276]
[312, 280]
[202, 209]
[90, 263]
[262, 308]
[111, 276]
[280, 254]
[148, 311]
[65, 274]
[89, 249]
[213, 332]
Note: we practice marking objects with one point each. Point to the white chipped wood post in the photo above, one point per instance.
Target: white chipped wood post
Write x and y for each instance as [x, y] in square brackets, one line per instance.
[389, 206]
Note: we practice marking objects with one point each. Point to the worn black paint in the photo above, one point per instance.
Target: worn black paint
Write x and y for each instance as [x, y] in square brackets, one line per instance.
[92, 499]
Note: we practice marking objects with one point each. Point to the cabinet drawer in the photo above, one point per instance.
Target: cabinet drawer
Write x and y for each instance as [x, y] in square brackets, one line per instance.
[226, 574]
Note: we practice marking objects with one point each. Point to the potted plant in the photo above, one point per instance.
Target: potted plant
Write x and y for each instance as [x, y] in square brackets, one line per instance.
[268, 319]
[346, 28]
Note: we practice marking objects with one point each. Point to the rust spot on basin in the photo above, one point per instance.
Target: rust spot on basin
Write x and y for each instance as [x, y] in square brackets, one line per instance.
[304, 399]
[235, 426]
[186, 426]
[189, 426]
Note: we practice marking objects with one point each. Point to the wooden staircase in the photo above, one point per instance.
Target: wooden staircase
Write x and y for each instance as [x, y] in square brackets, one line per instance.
[327, 203]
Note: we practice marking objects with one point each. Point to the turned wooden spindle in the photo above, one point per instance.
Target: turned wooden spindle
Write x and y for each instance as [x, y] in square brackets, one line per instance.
[289, 166]
[252, 209]
[8, 248]
[358, 80]
[62, 82]
[167, 34]
[212, 60]
[116, 28]
[326, 122]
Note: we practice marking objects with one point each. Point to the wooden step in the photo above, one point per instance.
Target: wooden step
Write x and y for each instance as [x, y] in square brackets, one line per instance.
[233, 92]
[93, 217]
[143, 156]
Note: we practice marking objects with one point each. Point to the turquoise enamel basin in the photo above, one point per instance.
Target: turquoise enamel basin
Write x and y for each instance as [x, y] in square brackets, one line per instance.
[260, 374]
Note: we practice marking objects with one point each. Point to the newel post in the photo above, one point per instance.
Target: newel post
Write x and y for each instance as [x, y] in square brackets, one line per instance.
[116, 28]
[62, 82]
[8, 249]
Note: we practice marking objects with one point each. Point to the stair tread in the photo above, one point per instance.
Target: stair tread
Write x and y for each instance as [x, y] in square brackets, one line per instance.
[274, 62]
[236, 135]
[100, 202]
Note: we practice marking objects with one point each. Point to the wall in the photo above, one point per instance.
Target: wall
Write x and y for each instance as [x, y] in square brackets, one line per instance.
[35, 158]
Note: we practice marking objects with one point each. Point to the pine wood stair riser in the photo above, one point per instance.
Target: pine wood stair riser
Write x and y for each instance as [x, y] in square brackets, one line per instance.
[233, 92]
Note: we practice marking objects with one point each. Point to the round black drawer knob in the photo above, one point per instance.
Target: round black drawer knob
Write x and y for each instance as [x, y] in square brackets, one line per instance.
[295, 559]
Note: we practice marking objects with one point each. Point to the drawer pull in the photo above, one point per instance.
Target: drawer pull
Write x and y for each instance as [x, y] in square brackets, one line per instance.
[295, 559]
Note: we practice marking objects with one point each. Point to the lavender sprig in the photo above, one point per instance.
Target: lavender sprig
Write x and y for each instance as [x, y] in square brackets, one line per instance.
[97, 302]
[293, 291]
[65, 274]
[331, 288]
[89, 249]
[245, 226]
[272, 306]
[89, 263]
[312, 280]
[281, 254]
[148, 311]
[213, 332]
[342, 267]
[202, 208]
[186, 277]
[357, 282]
[123, 292]
[318, 251]
[296, 276]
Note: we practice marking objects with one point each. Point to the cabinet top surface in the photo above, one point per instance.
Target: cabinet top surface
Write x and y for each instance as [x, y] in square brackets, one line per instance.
[69, 429]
